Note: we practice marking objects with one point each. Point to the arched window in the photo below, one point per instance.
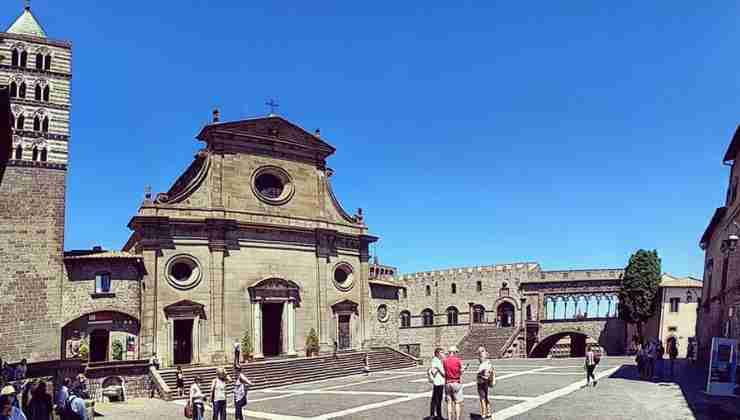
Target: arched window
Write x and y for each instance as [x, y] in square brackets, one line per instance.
[429, 290]
[453, 288]
[22, 90]
[479, 314]
[35, 154]
[427, 316]
[43, 155]
[19, 152]
[39, 61]
[37, 93]
[13, 89]
[24, 59]
[47, 92]
[36, 123]
[452, 315]
[405, 319]
[47, 63]
[45, 125]
[20, 122]
[15, 58]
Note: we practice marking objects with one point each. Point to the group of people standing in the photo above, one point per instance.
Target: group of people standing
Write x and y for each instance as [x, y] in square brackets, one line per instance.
[217, 394]
[32, 400]
[445, 376]
[650, 357]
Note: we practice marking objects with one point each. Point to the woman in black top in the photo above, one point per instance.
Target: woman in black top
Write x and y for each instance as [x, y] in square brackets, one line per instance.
[180, 381]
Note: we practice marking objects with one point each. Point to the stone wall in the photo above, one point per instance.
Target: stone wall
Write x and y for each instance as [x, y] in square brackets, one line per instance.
[79, 290]
[31, 245]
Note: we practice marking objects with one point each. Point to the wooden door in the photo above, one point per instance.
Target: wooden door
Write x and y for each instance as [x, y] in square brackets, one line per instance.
[345, 341]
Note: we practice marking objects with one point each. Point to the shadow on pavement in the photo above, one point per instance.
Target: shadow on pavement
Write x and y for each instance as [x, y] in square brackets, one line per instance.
[691, 379]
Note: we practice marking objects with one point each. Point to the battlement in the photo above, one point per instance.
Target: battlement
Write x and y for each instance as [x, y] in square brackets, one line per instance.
[520, 266]
[579, 275]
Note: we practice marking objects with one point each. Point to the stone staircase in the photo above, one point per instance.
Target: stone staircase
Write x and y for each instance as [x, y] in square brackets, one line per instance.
[493, 339]
[281, 372]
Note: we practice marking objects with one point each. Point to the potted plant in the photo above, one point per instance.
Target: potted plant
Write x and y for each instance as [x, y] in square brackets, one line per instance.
[247, 348]
[312, 343]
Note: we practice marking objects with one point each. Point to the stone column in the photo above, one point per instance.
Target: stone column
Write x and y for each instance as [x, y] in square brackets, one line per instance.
[257, 330]
[196, 340]
[470, 315]
[290, 331]
[168, 358]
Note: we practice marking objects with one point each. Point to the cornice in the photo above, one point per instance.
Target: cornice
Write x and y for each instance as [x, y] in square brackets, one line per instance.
[34, 71]
[33, 102]
[37, 40]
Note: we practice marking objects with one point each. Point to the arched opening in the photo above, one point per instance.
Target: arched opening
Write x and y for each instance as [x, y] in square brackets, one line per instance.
[37, 93]
[21, 122]
[43, 155]
[19, 152]
[24, 58]
[96, 331]
[15, 58]
[22, 90]
[405, 319]
[35, 154]
[453, 288]
[36, 123]
[479, 314]
[427, 316]
[47, 93]
[563, 344]
[452, 313]
[39, 61]
[45, 125]
[13, 89]
[47, 62]
[505, 313]
[429, 290]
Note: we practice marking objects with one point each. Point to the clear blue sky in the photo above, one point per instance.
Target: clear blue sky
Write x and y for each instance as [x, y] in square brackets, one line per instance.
[568, 133]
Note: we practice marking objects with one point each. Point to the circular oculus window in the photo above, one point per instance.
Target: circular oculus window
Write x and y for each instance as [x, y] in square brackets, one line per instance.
[183, 272]
[383, 313]
[343, 276]
[272, 185]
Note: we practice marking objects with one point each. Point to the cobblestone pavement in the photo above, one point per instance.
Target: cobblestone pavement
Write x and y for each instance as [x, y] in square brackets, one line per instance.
[526, 389]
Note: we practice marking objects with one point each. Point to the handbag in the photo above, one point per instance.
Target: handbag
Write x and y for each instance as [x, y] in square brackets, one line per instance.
[188, 409]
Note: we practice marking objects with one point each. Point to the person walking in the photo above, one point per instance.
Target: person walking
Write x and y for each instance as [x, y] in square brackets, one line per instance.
[240, 393]
[659, 353]
[74, 407]
[484, 379]
[40, 407]
[690, 352]
[590, 366]
[218, 394]
[336, 346]
[453, 386]
[237, 353]
[437, 378]
[672, 353]
[367, 364]
[196, 399]
[180, 381]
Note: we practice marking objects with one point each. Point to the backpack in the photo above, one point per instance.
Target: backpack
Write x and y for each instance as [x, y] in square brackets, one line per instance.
[69, 413]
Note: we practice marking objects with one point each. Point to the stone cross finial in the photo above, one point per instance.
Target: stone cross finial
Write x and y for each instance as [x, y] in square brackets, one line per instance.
[273, 105]
[148, 192]
[28, 4]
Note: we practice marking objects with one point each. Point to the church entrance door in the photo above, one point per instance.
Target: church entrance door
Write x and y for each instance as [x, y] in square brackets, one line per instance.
[345, 341]
[182, 341]
[99, 345]
[272, 322]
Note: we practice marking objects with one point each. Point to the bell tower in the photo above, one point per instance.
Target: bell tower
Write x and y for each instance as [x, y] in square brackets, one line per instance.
[37, 72]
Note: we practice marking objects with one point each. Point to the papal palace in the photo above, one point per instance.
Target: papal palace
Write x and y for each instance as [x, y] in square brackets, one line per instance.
[251, 239]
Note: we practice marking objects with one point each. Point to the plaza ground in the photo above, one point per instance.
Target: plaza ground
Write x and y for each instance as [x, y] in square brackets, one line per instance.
[526, 389]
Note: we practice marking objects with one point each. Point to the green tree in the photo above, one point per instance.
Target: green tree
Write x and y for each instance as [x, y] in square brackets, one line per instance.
[117, 348]
[247, 348]
[639, 289]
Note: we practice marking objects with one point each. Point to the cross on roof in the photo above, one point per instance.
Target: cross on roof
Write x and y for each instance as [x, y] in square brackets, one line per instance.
[272, 104]
[28, 4]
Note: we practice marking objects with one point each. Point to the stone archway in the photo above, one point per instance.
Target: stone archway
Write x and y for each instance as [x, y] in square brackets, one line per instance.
[98, 330]
[562, 344]
[274, 301]
[506, 314]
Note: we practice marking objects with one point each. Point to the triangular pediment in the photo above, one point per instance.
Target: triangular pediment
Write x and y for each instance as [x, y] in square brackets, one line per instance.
[185, 307]
[273, 130]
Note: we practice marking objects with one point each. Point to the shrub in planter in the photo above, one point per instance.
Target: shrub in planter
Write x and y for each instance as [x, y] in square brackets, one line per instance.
[247, 348]
[312, 343]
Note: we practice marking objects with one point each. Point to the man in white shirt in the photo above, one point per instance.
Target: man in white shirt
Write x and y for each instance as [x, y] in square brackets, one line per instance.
[484, 379]
[437, 374]
[237, 352]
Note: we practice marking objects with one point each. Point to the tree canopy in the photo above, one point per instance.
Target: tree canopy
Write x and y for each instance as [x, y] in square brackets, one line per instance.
[639, 290]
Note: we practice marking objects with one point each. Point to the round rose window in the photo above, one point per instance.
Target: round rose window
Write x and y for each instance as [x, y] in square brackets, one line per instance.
[183, 272]
[343, 277]
[272, 185]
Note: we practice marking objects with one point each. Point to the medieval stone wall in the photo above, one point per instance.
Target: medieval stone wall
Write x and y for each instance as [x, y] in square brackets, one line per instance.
[31, 245]
[79, 297]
